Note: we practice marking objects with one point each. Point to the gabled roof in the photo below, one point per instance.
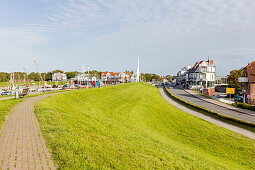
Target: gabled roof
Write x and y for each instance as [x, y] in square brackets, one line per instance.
[250, 64]
[111, 73]
[198, 63]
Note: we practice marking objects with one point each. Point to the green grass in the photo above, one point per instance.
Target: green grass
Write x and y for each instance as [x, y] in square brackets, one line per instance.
[2, 96]
[5, 108]
[6, 84]
[132, 127]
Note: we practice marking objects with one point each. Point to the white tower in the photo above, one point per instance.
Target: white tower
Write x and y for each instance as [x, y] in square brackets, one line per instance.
[138, 72]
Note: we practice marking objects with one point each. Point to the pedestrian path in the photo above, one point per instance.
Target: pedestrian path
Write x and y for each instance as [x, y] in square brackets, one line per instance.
[21, 142]
[233, 128]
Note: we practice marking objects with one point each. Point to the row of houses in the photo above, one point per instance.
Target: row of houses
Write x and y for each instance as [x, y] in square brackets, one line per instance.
[106, 77]
[201, 75]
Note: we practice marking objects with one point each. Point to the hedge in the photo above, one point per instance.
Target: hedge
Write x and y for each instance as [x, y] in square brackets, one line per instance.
[244, 106]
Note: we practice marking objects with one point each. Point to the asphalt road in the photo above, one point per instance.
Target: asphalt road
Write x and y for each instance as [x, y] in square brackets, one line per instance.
[179, 92]
[228, 126]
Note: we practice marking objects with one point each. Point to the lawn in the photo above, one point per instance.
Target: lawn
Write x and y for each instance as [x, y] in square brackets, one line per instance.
[132, 127]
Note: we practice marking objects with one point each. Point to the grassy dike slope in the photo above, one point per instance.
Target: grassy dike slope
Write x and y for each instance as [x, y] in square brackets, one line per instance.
[132, 126]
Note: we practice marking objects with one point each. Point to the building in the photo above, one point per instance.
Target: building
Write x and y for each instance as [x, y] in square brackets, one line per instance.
[182, 74]
[221, 80]
[203, 73]
[249, 83]
[111, 77]
[125, 77]
[59, 77]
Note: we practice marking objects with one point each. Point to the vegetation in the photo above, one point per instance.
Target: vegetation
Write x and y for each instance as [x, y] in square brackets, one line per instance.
[150, 77]
[233, 80]
[6, 84]
[244, 106]
[33, 76]
[169, 78]
[132, 127]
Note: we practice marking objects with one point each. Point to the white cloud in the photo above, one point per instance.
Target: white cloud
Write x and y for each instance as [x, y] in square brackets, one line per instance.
[183, 27]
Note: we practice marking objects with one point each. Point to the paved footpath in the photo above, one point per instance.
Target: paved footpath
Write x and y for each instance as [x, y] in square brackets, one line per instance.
[21, 142]
[233, 128]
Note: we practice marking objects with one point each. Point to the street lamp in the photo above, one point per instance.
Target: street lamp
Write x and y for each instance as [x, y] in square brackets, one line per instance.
[88, 79]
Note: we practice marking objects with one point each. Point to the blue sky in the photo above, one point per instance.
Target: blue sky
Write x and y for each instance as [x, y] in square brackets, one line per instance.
[111, 34]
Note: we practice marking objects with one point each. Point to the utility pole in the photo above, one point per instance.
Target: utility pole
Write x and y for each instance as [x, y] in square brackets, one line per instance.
[24, 76]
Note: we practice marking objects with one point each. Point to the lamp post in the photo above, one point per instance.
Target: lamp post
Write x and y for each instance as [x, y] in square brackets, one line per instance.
[88, 79]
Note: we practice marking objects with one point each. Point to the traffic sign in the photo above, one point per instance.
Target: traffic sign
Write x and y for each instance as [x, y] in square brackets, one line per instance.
[230, 90]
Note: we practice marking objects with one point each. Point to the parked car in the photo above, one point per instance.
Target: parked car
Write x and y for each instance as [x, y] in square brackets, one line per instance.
[5, 93]
[238, 98]
[66, 86]
[77, 85]
[55, 86]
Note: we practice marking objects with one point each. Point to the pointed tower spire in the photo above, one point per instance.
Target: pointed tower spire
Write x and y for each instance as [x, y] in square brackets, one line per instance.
[138, 71]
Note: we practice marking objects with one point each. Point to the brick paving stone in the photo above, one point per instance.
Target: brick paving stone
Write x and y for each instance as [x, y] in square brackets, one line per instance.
[22, 145]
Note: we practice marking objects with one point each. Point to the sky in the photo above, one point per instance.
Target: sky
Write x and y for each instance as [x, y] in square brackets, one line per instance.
[109, 35]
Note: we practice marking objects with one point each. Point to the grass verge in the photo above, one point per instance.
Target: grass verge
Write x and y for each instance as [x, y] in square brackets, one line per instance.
[132, 127]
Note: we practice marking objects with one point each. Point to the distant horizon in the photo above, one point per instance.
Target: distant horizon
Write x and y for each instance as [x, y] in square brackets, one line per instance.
[134, 69]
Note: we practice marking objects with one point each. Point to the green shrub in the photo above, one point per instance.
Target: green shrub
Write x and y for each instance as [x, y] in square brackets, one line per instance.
[244, 106]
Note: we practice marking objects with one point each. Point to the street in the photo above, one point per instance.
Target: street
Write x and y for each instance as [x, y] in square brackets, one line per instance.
[248, 116]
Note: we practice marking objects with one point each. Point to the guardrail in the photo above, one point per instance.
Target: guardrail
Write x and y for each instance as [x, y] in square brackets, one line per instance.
[199, 108]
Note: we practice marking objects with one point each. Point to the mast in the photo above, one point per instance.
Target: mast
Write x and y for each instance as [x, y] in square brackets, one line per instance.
[37, 67]
[138, 71]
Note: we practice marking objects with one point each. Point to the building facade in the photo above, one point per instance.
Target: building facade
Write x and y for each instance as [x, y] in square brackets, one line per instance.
[203, 73]
[59, 77]
[249, 83]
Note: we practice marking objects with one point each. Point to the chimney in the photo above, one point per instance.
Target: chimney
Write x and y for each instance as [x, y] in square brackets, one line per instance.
[211, 61]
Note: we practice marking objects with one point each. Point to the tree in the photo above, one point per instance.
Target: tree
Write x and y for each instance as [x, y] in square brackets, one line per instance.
[33, 76]
[48, 76]
[233, 80]
[169, 78]
[95, 73]
[71, 74]
[57, 71]
[4, 77]
[151, 77]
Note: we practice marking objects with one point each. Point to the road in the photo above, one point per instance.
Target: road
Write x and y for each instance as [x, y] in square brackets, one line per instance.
[248, 116]
[233, 128]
